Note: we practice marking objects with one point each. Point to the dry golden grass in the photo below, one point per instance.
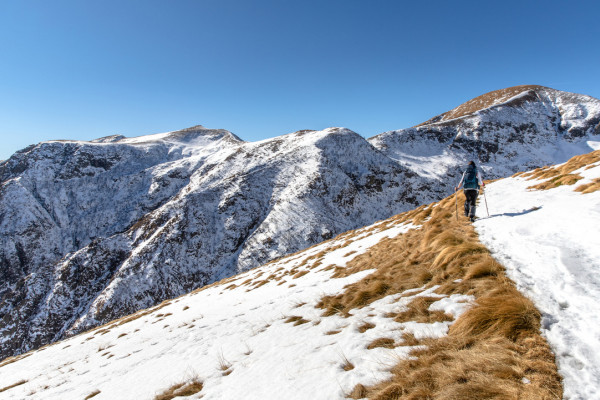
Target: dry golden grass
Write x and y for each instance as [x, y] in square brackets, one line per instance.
[507, 314]
[94, 393]
[456, 367]
[300, 274]
[365, 327]
[489, 349]
[560, 180]
[589, 187]
[11, 360]
[182, 389]
[409, 339]
[484, 101]
[561, 175]
[19, 383]
[418, 311]
[297, 320]
[387, 343]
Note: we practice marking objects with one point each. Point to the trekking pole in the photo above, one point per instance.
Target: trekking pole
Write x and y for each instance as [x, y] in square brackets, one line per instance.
[456, 203]
[485, 198]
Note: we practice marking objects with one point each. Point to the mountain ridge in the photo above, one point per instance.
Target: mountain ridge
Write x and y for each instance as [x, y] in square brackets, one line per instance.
[197, 205]
[414, 304]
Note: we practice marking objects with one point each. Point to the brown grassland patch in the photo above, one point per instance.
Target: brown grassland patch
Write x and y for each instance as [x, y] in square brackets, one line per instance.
[560, 180]
[488, 350]
[19, 383]
[387, 343]
[561, 175]
[11, 360]
[297, 320]
[589, 187]
[93, 394]
[418, 311]
[365, 327]
[182, 389]
[484, 101]
[347, 365]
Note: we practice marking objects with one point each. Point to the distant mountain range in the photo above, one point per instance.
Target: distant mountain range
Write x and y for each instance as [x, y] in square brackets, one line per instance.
[92, 231]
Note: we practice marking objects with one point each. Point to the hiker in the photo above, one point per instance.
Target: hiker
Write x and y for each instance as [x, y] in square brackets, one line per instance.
[470, 181]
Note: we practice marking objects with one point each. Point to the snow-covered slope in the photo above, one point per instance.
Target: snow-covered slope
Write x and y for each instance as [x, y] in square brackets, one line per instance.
[506, 131]
[91, 231]
[549, 241]
[94, 231]
[258, 336]
[270, 333]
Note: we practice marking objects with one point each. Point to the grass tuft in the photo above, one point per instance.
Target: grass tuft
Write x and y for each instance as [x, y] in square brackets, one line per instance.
[418, 311]
[387, 343]
[589, 187]
[365, 327]
[182, 389]
[358, 392]
[562, 174]
[560, 180]
[297, 320]
[509, 315]
[19, 383]
[94, 393]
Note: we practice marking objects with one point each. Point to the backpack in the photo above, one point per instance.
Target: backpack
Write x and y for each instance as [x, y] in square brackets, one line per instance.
[471, 178]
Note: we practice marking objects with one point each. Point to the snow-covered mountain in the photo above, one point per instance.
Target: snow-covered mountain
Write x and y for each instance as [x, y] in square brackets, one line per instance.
[94, 231]
[91, 231]
[505, 131]
[411, 306]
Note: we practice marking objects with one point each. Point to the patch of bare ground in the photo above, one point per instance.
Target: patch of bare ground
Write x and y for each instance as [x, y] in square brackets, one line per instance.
[556, 176]
[182, 389]
[494, 350]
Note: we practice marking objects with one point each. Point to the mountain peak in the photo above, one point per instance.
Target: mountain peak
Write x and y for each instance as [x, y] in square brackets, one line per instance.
[197, 131]
[484, 101]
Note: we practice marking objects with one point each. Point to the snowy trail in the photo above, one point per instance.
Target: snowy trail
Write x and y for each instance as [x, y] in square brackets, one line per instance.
[549, 241]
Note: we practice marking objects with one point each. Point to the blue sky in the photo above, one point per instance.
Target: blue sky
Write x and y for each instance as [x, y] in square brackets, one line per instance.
[87, 69]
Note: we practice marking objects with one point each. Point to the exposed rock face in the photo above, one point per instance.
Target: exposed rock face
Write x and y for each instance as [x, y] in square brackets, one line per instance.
[91, 231]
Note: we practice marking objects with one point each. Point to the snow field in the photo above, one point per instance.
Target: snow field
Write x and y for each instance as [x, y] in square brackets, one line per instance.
[549, 242]
[244, 338]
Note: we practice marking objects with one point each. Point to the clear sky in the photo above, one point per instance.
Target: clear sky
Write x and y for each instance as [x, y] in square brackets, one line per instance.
[72, 69]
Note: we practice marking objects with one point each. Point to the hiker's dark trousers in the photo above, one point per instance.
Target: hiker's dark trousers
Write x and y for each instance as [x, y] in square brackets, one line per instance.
[471, 195]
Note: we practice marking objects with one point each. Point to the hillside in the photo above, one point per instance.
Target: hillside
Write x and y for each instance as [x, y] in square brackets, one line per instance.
[340, 319]
[544, 227]
[505, 131]
[92, 231]
[121, 225]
